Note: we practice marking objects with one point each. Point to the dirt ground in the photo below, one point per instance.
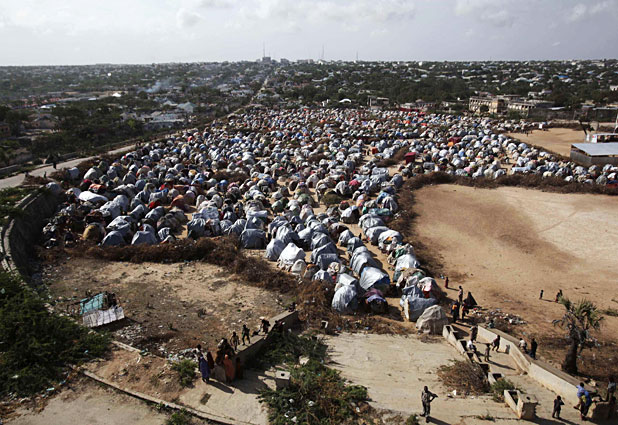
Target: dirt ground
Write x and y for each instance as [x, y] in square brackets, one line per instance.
[507, 244]
[169, 307]
[557, 140]
[86, 402]
[395, 368]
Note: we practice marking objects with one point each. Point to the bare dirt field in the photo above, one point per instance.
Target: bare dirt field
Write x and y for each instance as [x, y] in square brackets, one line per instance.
[507, 244]
[168, 306]
[557, 140]
[89, 403]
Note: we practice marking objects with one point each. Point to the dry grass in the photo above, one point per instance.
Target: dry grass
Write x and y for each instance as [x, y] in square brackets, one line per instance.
[464, 376]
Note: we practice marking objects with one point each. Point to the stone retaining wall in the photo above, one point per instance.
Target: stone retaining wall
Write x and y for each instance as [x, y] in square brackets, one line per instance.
[21, 233]
[545, 374]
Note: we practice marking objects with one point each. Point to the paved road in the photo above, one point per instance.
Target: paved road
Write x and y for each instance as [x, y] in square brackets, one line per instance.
[18, 179]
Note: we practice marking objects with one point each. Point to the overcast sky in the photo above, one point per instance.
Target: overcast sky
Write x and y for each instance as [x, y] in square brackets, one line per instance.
[146, 31]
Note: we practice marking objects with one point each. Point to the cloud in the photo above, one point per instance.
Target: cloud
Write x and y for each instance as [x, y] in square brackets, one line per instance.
[349, 14]
[216, 4]
[498, 13]
[582, 11]
[187, 18]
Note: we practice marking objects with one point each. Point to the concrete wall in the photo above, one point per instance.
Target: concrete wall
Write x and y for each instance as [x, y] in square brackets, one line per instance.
[21, 233]
[545, 374]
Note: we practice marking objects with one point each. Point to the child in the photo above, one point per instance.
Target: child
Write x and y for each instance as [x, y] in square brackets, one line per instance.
[558, 403]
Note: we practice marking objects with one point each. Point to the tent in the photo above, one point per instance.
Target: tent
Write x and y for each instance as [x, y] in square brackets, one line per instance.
[373, 233]
[414, 307]
[113, 238]
[344, 237]
[274, 249]
[329, 248]
[253, 239]
[432, 320]
[144, 237]
[344, 300]
[290, 254]
[352, 244]
[360, 260]
[405, 262]
[373, 277]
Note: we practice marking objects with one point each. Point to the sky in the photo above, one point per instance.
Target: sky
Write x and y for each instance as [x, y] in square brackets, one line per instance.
[58, 32]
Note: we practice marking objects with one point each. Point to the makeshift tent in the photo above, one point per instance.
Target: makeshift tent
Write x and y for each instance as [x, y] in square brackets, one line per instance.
[373, 277]
[274, 249]
[344, 300]
[253, 239]
[290, 254]
[113, 238]
[432, 320]
[414, 307]
[144, 237]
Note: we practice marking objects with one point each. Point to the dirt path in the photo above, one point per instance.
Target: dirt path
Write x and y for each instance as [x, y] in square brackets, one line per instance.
[506, 245]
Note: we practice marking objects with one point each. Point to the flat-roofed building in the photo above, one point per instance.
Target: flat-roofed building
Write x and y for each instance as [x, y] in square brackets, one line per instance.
[588, 154]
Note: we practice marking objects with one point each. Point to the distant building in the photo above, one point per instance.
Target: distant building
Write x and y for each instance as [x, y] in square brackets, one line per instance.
[378, 103]
[495, 105]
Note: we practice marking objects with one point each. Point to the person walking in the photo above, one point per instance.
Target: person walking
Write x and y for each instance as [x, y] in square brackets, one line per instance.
[496, 343]
[446, 282]
[245, 334]
[558, 295]
[541, 295]
[487, 350]
[426, 398]
[455, 311]
[204, 368]
[235, 341]
[558, 403]
[460, 295]
[474, 331]
[533, 347]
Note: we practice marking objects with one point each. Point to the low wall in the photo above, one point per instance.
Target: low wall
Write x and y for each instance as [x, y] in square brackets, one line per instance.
[545, 374]
[21, 233]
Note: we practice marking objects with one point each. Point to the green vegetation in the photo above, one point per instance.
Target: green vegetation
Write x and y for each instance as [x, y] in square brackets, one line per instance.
[498, 388]
[287, 348]
[412, 420]
[8, 198]
[486, 417]
[316, 395]
[179, 418]
[36, 346]
[186, 372]
[579, 319]
[464, 376]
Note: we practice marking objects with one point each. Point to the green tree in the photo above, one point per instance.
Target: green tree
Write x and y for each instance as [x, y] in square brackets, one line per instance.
[579, 319]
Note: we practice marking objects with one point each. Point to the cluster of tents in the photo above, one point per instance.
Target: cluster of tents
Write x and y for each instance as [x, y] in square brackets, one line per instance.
[266, 175]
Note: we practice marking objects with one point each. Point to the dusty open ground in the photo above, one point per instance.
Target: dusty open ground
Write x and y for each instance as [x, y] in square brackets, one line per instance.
[168, 306]
[88, 403]
[507, 244]
[558, 140]
[395, 368]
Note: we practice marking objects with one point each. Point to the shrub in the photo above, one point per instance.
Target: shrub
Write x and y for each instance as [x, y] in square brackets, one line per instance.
[316, 394]
[36, 345]
[286, 348]
[412, 420]
[186, 372]
[179, 418]
[498, 388]
[464, 376]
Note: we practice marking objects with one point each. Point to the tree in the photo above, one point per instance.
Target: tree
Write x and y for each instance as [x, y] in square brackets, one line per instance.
[579, 319]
